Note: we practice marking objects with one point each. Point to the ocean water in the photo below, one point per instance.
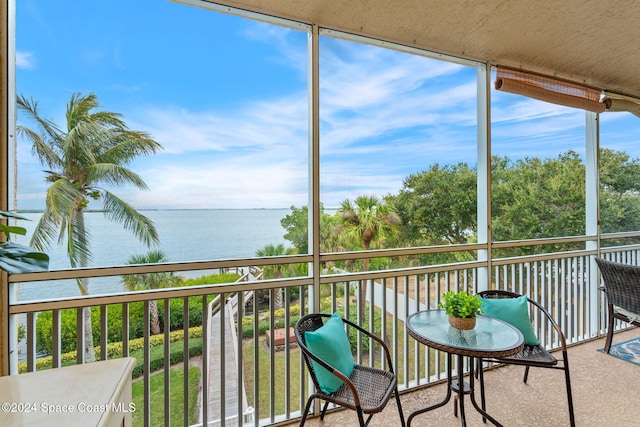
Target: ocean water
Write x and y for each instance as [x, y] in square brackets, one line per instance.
[185, 235]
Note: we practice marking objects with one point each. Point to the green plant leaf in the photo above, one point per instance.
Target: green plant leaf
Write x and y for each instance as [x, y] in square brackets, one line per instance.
[461, 304]
[7, 214]
[16, 258]
[8, 229]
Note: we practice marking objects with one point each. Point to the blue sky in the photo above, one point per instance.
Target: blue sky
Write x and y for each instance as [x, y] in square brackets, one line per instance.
[227, 98]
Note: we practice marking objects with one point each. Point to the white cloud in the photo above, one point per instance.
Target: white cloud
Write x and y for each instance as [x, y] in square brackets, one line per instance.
[261, 125]
[257, 155]
[241, 182]
[384, 114]
[25, 60]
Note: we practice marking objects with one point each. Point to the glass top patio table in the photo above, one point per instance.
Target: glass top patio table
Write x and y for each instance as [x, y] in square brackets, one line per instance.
[490, 338]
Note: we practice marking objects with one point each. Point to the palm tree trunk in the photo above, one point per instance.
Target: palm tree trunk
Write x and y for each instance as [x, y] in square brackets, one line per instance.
[83, 284]
[155, 320]
[363, 286]
[277, 296]
[89, 352]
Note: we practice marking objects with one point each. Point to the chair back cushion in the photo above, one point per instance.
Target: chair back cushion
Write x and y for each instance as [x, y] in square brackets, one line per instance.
[514, 311]
[330, 343]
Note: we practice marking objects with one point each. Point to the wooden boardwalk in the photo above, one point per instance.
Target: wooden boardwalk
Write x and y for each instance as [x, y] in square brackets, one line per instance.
[229, 391]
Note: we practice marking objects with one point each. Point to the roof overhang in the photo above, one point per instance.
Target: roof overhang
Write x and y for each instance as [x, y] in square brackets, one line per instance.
[586, 41]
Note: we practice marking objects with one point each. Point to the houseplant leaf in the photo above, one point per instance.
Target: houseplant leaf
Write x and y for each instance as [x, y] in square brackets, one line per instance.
[16, 258]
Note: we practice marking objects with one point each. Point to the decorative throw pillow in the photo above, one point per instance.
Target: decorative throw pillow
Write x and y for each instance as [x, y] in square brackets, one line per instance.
[330, 343]
[514, 311]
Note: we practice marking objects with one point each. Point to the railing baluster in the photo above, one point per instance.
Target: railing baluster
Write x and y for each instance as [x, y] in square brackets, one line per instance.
[239, 361]
[56, 340]
[80, 335]
[104, 332]
[394, 328]
[405, 364]
[383, 321]
[272, 374]
[370, 327]
[31, 342]
[146, 364]
[185, 361]
[167, 361]
[416, 348]
[256, 360]
[125, 329]
[206, 321]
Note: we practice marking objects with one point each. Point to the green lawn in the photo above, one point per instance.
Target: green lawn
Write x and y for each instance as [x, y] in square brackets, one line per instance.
[157, 397]
[266, 390]
[277, 391]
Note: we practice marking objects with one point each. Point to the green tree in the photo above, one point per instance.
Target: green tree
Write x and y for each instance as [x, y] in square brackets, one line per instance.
[296, 225]
[531, 198]
[145, 281]
[93, 150]
[438, 206]
[534, 198]
[619, 192]
[275, 271]
[367, 221]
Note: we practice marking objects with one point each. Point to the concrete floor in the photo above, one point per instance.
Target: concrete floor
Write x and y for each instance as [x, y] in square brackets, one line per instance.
[606, 392]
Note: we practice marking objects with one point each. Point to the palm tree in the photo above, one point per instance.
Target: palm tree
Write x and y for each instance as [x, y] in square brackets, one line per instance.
[275, 271]
[93, 150]
[144, 281]
[367, 221]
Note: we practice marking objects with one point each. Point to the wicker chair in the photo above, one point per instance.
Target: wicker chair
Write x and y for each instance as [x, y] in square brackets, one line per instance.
[366, 391]
[622, 287]
[532, 356]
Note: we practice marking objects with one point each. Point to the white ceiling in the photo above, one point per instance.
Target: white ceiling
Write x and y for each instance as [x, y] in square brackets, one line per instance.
[594, 42]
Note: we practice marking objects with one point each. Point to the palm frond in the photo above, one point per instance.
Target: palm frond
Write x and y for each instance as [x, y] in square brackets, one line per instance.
[78, 240]
[78, 107]
[78, 146]
[109, 119]
[45, 141]
[152, 257]
[45, 231]
[45, 126]
[136, 282]
[113, 174]
[127, 145]
[119, 211]
[61, 198]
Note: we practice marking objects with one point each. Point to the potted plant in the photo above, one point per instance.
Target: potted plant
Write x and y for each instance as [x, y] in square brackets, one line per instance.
[462, 308]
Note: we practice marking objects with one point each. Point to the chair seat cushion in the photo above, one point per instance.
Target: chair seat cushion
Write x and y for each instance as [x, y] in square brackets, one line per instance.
[514, 311]
[330, 343]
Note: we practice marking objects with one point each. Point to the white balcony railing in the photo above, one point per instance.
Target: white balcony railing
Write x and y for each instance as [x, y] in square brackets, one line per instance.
[244, 372]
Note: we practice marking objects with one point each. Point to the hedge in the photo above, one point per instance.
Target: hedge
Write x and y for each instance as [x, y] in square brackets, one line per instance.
[114, 350]
[114, 315]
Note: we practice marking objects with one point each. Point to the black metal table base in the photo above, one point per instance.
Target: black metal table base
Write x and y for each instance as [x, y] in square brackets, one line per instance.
[453, 388]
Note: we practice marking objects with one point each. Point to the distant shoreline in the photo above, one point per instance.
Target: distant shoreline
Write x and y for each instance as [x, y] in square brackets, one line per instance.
[167, 209]
[175, 209]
